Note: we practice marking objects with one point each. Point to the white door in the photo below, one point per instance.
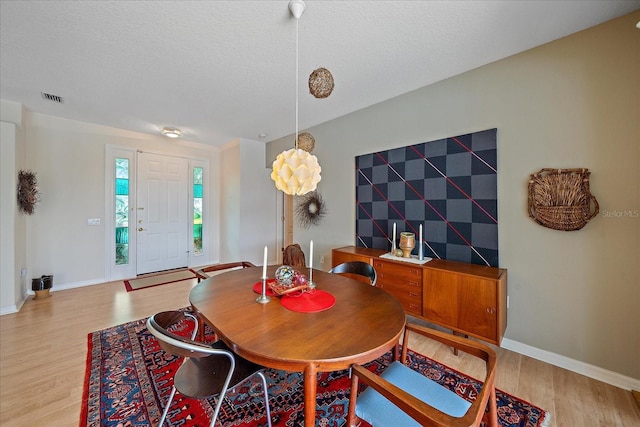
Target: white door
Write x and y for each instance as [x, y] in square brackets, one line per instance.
[162, 220]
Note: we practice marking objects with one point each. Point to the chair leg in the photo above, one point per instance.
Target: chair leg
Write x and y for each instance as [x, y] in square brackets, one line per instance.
[266, 397]
[223, 392]
[219, 401]
[493, 409]
[166, 408]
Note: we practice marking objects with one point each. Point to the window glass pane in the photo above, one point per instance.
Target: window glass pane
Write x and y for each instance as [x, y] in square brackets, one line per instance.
[197, 175]
[122, 211]
[197, 210]
[122, 186]
[197, 191]
[122, 168]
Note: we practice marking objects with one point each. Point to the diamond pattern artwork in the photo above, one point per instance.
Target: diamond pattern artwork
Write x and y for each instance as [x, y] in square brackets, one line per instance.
[449, 186]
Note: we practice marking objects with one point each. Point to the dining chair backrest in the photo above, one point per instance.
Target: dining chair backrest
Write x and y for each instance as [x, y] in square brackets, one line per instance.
[294, 256]
[207, 369]
[160, 326]
[359, 268]
[403, 396]
[203, 273]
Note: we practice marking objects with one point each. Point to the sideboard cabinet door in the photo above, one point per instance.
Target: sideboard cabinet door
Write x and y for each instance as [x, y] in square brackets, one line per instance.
[440, 298]
[469, 304]
[477, 307]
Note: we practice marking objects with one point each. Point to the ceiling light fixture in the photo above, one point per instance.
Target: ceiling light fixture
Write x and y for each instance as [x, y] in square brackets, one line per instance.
[172, 132]
[296, 171]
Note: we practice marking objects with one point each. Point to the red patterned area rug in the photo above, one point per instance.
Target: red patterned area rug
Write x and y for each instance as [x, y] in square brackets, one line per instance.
[128, 380]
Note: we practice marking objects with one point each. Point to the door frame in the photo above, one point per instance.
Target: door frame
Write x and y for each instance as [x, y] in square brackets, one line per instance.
[119, 272]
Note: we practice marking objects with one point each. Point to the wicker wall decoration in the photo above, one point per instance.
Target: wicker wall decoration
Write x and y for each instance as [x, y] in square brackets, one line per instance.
[28, 195]
[560, 198]
[310, 209]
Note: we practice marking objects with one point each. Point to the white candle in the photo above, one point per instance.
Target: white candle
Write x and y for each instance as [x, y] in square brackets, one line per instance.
[264, 264]
[394, 235]
[311, 261]
[420, 256]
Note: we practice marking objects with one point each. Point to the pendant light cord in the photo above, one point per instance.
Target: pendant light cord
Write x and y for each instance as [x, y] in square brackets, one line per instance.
[297, 54]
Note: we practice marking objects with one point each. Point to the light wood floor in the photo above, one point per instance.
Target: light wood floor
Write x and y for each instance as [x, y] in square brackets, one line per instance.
[43, 351]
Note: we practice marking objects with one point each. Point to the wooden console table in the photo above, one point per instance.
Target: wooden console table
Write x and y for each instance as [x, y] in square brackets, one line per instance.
[466, 298]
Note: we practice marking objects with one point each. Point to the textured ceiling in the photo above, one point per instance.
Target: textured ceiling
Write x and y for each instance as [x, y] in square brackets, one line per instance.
[220, 70]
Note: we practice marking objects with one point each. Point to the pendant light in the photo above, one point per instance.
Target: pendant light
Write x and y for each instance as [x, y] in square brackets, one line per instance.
[296, 171]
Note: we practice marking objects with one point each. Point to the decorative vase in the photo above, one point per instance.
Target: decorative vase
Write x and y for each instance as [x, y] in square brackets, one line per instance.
[407, 243]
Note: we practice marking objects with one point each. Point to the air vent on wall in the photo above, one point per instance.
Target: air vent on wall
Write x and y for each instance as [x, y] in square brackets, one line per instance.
[53, 98]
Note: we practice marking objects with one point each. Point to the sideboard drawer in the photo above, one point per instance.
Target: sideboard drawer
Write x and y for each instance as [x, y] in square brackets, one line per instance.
[403, 282]
[408, 295]
[394, 271]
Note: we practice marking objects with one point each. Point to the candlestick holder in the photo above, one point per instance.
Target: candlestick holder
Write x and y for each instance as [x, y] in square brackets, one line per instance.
[263, 298]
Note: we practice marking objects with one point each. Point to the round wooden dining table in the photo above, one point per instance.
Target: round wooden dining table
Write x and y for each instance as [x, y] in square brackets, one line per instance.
[364, 323]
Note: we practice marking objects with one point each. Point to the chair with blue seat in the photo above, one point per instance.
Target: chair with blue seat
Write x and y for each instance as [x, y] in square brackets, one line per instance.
[208, 370]
[401, 396]
[358, 268]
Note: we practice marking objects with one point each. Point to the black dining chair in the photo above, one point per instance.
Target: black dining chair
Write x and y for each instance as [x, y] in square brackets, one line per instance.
[208, 370]
[359, 268]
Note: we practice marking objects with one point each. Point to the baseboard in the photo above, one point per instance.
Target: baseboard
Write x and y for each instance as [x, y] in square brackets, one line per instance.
[77, 284]
[15, 307]
[72, 285]
[591, 371]
[8, 309]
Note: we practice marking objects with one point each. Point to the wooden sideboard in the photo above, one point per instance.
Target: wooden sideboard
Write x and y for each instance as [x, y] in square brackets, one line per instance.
[466, 298]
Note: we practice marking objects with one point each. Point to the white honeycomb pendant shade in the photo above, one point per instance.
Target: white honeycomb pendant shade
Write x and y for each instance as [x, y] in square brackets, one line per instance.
[296, 172]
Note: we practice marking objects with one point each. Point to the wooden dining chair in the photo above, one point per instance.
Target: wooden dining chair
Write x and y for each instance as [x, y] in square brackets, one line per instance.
[358, 268]
[208, 370]
[203, 273]
[294, 256]
[401, 396]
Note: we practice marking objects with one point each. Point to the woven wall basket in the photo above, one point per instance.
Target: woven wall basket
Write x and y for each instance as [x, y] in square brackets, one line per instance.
[560, 198]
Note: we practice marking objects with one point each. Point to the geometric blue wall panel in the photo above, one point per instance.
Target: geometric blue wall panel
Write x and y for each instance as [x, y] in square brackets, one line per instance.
[449, 186]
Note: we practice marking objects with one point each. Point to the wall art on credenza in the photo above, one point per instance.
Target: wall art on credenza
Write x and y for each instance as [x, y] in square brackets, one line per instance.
[448, 185]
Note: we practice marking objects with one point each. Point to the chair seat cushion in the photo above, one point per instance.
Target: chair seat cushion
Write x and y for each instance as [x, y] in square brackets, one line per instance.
[372, 407]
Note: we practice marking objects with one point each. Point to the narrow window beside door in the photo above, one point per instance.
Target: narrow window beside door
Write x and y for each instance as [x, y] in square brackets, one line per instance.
[122, 210]
[197, 211]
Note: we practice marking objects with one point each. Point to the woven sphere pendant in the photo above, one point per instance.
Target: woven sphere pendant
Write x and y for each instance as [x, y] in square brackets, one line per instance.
[321, 83]
[306, 142]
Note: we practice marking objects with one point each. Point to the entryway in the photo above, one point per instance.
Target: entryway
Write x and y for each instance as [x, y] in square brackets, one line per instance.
[162, 213]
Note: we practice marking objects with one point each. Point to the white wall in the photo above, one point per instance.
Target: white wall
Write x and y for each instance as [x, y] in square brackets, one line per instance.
[571, 103]
[68, 157]
[249, 204]
[12, 222]
[230, 181]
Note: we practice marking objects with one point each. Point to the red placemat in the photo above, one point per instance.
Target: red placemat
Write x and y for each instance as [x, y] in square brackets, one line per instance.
[308, 302]
[257, 288]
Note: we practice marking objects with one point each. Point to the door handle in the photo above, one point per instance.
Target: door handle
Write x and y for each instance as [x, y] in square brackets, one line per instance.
[140, 229]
